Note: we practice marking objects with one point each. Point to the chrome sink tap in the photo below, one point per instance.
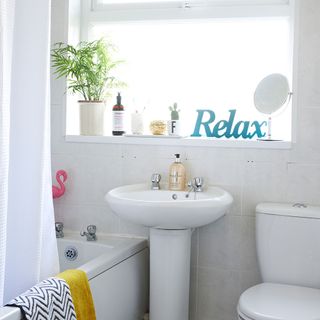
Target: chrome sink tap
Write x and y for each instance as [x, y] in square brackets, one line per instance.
[155, 181]
[91, 234]
[59, 230]
[195, 185]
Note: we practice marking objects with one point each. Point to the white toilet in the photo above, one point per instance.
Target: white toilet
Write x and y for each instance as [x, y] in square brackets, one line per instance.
[288, 246]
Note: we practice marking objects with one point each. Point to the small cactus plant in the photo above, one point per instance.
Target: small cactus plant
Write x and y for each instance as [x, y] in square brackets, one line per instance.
[174, 112]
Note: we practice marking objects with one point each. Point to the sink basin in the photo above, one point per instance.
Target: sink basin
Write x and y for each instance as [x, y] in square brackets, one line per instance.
[165, 209]
[171, 215]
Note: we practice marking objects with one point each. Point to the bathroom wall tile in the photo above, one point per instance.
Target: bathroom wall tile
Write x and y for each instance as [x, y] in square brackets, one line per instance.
[203, 153]
[59, 16]
[101, 176]
[126, 227]
[308, 147]
[218, 294]
[100, 149]
[198, 168]
[309, 48]
[140, 163]
[80, 216]
[76, 184]
[303, 183]
[235, 192]
[264, 181]
[246, 259]
[60, 146]
[58, 88]
[193, 293]
[224, 173]
[266, 155]
[309, 92]
[139, 171]
[214, 245]
[58, 34]
[55, 129]
[249, 279]
[229, 243]
[58, 143]
[155, 152]
[195, 247]
[89, 178]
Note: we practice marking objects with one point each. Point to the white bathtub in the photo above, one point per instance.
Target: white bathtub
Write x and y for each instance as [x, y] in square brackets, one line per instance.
[117, 269]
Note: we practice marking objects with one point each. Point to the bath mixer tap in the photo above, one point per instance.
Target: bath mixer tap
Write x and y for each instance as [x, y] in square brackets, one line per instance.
[155, 181]
[91, 234]
[59, 230]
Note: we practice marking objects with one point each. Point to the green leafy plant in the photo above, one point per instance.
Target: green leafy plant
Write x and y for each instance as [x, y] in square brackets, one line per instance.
[174, 112]
[87, 67]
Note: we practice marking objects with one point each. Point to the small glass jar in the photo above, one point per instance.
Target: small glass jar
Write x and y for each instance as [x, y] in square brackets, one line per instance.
[137, 123]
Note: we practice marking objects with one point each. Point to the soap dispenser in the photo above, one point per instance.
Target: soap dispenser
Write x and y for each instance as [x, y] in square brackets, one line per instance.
[177, 175]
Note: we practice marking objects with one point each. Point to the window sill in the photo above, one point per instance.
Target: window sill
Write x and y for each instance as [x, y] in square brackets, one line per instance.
[181, 141]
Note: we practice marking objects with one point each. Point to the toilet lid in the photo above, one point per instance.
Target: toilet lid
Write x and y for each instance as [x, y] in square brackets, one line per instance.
[268, 301]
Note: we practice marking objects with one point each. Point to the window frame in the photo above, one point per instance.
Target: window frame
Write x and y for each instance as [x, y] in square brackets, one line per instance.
[92, 13]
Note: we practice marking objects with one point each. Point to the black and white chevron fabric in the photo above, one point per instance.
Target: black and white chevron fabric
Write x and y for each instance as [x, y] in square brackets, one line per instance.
[48, 300]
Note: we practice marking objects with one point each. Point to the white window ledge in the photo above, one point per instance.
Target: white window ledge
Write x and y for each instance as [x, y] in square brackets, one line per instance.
[178, 141]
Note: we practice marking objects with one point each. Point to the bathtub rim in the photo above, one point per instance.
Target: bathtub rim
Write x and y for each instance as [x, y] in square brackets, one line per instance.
[130, 245]
[140, 243]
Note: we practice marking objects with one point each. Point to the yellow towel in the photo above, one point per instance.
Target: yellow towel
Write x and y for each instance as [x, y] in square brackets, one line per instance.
[80, 292]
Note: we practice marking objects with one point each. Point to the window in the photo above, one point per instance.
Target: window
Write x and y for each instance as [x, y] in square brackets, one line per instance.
[205, 54]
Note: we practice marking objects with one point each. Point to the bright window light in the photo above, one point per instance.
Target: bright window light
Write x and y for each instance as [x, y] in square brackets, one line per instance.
[200, 64]
[191, 2]
[129, 1]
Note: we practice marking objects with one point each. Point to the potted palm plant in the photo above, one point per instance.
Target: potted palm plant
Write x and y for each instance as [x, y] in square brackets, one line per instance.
[88, 68]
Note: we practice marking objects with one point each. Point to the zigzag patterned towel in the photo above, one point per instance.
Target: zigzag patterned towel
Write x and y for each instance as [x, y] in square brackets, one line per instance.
[48, 300]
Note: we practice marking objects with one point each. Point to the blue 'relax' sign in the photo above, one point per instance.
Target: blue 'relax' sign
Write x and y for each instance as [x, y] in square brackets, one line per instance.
[228, 128]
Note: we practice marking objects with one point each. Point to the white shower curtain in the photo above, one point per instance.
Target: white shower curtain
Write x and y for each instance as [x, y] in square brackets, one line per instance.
[28, 250]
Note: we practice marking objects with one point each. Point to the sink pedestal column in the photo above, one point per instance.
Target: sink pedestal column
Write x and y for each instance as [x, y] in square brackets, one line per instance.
[169, 274]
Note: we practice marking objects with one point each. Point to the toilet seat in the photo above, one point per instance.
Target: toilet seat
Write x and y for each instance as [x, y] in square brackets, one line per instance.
[270, 301]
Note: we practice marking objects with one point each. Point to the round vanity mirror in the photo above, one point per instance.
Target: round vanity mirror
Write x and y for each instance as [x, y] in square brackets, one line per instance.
[271, 94]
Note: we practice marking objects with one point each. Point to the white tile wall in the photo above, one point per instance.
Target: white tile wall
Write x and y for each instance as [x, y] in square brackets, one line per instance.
[224, 261]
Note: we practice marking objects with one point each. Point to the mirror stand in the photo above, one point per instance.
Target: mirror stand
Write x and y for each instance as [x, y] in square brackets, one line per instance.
[269, 125]
[271, 95]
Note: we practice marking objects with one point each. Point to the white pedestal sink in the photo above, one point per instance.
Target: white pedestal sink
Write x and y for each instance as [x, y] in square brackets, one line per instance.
[171, 216]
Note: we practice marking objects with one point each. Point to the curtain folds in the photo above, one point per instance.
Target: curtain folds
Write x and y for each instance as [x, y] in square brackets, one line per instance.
[28, 251]
[6, 35]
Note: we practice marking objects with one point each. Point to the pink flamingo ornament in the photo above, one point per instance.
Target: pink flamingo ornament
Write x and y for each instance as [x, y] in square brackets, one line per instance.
[56, 191]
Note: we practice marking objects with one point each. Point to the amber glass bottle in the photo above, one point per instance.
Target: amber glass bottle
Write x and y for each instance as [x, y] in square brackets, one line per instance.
[118, 117]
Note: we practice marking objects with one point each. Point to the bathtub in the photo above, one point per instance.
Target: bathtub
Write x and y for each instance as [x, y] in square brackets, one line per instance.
[117, 269]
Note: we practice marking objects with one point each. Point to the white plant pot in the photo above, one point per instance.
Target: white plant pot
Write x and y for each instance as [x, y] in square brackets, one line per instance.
[92, 118]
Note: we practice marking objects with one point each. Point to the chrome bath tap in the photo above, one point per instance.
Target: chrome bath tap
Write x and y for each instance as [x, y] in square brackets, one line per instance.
[91, 233]
[59, 230]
